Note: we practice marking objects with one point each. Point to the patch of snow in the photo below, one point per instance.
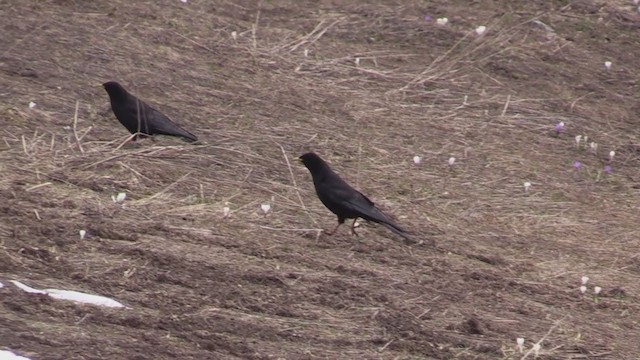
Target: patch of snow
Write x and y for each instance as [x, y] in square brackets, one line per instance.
[26, 288]
[71, 295]
[8, 355]
[83, 298]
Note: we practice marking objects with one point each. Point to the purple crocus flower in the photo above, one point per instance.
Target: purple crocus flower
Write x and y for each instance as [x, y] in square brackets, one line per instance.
[608, 169]
[427, 18]
[559, 127]
[577, 165]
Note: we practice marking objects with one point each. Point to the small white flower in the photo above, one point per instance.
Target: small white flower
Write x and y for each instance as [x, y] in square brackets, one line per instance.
[597, 289]
[607, 64]
[452, 161]
[585, 280]
[226, 211]
[357, 61]
[234, 35]
[611, 155]
[593, 146]
[306, 52]
[520, 342]
[417, 160]
[527, 185]
[442, 21]
[536, 349]
[184, 1]
[586, 139]
[578, 138]
[83, 233]
[481, 29]
[583, 289]
[32, 104]
[265, 208]
[119, 198]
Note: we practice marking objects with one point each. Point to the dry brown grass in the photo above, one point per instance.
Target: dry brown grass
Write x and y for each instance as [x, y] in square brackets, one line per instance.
[506, 263]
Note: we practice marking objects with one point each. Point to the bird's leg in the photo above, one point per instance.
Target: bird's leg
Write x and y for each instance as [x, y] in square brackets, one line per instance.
[353, 227]
[334, 229]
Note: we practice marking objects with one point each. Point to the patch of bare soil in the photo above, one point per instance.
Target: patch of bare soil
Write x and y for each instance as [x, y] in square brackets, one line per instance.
[368, 87]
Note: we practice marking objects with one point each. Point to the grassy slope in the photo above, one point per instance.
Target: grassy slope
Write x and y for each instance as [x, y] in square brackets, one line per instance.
[505, 263]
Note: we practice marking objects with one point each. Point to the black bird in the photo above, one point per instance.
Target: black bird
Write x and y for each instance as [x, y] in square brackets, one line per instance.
[140, 118]
[342, 199]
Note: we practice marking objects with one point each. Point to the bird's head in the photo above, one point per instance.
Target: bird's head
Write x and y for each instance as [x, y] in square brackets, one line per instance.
[313, 162]
[114, 89]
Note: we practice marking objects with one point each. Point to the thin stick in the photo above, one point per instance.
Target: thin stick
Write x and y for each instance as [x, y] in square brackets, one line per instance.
[295, 185]
[254, 28]
[126, 141]
[506, 105]
[544, 337]
[386, 345]
[166, 188]
[359, 161]
[113, 158]
[288, 229]
[192, 41]
[131, 169]
[34, 187]
[293, 179]
[86, 132]
[24, 145]
[75, 127]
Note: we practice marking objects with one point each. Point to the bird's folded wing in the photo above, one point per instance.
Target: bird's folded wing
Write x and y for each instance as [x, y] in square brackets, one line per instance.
[355, 201]
[161, 124]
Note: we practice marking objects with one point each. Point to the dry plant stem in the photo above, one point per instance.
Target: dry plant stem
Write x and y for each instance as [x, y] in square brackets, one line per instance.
[75, 127]
[166, 188]
[289, 229]
[295, 185]
[254, 28]
[551, 329]
[386, 345]
[316, 33]
[115, 156]
[129, 139]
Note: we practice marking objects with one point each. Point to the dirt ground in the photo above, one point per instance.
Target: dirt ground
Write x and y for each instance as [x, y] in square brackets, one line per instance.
[368, 87]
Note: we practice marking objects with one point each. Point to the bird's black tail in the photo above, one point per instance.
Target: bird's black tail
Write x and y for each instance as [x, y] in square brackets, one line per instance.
[189, 138]
[398, 230]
